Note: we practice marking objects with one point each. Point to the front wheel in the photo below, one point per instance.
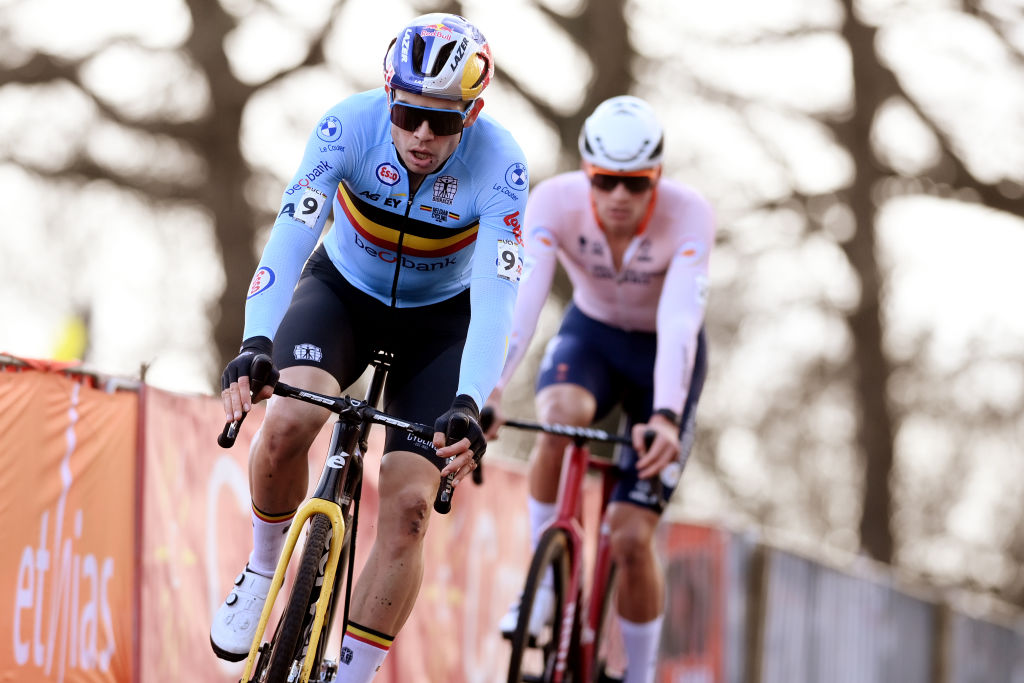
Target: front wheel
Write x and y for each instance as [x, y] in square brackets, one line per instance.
[534, 659]
[603, 640]
[293, 631]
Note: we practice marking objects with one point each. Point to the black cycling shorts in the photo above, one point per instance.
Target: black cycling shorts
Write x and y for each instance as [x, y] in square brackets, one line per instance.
[617, 367]
[332, 325]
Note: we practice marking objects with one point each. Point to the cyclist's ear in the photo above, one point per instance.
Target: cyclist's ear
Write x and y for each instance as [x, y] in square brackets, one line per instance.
[474, 111]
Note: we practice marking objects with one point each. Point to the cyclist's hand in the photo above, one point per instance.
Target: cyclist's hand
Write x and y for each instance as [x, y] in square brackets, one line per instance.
[491, 418]
[238, 381]
[457, 435]
[663, 451]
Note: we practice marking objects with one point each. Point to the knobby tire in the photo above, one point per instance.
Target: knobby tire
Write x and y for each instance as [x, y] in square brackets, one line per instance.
[288, 641]
[552, 552]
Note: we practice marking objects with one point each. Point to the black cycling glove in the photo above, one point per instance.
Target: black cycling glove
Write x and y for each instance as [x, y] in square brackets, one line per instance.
[463, 421]
[243, 365]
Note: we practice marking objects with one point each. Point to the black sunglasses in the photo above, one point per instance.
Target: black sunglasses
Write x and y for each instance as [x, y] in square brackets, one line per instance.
[636, 184]
[441, 121]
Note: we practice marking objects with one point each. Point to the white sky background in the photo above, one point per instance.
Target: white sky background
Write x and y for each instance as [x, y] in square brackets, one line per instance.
[130, 268]
[151, 274]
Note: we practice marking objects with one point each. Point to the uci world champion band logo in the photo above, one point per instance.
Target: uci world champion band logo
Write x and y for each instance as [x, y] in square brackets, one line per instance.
[516, 177]
[329, 129]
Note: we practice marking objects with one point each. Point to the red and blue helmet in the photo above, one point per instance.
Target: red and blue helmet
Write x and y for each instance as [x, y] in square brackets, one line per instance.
[439, 55]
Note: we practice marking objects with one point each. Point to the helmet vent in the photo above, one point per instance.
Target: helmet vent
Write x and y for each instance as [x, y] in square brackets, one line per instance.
[658, 149]
[442, 58]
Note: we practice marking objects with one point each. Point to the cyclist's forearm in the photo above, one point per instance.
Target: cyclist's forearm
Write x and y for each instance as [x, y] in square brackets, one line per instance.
[274, 282]
[492, 302]
[533, 292]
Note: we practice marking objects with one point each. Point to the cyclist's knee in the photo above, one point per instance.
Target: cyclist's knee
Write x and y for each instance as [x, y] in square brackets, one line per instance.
[566, 404]
[407, 485]
[286, 433]
[403, 518]
[632, 534]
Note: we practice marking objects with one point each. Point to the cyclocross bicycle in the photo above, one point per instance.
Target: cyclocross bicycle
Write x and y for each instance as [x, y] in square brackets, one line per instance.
[295, 652]
[574, 647]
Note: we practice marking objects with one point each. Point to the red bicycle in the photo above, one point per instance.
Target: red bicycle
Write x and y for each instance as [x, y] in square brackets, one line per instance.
[575, 646]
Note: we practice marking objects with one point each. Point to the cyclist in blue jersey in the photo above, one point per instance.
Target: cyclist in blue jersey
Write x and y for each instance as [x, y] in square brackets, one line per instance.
[422, 260]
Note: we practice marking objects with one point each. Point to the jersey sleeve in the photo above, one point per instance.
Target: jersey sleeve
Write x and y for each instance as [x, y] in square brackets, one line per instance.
[681, 307]
[541, 261]
[305, 208]
[497, 269]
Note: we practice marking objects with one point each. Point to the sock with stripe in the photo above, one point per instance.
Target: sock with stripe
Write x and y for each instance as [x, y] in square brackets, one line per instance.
[362, 653]
[641, 642]
[268, 534]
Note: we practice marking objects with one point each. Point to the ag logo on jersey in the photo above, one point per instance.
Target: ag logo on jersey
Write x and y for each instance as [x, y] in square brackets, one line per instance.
[329, 129]
[516, 177]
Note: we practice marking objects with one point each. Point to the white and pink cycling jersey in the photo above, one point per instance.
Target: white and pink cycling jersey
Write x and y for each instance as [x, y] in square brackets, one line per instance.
[661, 285]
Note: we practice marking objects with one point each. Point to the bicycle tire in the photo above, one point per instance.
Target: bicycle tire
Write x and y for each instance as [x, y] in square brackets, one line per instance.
[288, 642]
[552, 552]
[601, 633]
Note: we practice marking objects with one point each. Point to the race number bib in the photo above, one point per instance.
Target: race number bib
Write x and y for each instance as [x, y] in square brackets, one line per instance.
[310, 206]
[509, 263]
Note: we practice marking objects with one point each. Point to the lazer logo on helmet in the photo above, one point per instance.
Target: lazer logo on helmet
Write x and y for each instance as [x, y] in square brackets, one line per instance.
[406, 37]
[460, 53]
[318, 170]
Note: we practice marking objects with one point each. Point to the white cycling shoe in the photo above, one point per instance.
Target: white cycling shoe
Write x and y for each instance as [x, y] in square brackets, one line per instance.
[235, 622]
[542, 613]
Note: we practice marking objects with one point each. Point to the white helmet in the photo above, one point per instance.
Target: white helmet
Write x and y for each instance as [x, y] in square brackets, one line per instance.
[622, 135]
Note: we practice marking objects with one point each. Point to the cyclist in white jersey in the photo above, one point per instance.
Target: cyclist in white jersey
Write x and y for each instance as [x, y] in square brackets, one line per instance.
[635, 247]
[423, 261]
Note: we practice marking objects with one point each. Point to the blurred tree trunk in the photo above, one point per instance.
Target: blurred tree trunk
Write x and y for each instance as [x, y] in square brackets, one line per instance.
[601, 31]
[234, 220]
[872, 86]
[213, 136]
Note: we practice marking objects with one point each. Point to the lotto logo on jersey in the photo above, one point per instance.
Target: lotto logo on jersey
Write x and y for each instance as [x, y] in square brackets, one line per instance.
[261, 282]
[512, 220]
[388, 174]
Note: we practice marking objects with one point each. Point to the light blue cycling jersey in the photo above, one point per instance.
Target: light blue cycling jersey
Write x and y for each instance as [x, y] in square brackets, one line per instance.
[460, 228]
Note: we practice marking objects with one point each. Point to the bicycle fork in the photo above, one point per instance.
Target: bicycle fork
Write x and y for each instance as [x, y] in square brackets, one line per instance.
[574, 466]
[311, 507]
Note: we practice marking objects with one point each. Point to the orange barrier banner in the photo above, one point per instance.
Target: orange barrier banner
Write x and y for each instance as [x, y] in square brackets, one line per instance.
[197, 538]
[67, 498]
[691, 647]
[195, 533]
[102, 588]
